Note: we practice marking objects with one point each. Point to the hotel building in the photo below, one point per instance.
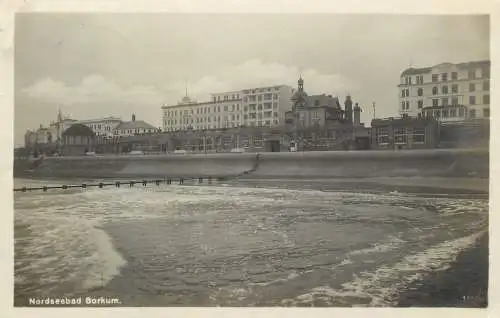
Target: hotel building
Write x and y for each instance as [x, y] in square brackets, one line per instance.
[255, 107]
[448, 92]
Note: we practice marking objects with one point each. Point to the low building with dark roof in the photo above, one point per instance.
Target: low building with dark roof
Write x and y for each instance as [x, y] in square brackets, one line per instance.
[77, 140]
[404, 133]
[134, 127]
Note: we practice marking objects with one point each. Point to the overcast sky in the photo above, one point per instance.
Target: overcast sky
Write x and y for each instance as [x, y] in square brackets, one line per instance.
[93, 65]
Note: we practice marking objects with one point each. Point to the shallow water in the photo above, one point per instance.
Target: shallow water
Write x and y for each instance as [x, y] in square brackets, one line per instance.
[263, 243]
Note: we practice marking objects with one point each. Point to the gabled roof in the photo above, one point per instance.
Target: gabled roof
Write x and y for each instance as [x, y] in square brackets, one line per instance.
[137, 124]
[485, 63]
[415, 71]
[423, 70]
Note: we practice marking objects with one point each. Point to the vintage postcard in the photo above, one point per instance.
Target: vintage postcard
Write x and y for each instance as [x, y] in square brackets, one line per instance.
[238, 159]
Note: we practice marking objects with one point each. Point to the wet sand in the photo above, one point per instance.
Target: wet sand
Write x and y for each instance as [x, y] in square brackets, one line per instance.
[464, 284]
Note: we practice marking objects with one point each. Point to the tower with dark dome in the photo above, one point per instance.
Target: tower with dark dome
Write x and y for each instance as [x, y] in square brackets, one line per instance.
[299, 99]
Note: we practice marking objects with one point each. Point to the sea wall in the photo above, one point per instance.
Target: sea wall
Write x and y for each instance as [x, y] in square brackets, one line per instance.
[343, 164]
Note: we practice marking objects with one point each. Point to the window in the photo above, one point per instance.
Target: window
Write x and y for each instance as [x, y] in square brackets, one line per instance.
[444, 89]
[403, 105]
[461, 112]
[382, 136]
[472, 113]
[485, 72]
[472, 75]
[486, 112]
[257, 140]
[407, 105]
[400, 136]
[444, 101]
[453, 112]
[225, 108]
[486, 99]
[316, 102]
[486, 85]
[403, 93]
[409, 80]
[434, 90]
[434, 78]
[444, 77]
[420, 79]
[420, 104]
[418, 135]
[472, 100]
[444, 112]
[454, 76]
[435, 102]
[454, 88]
[454, 101]
[472, 87]
[420, 92]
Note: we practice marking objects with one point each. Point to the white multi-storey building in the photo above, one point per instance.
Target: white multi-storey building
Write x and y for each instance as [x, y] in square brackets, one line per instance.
[101, 126]
[265, 106]
[450, 92]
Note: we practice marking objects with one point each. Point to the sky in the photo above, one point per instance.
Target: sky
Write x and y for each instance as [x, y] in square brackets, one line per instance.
[91, 65]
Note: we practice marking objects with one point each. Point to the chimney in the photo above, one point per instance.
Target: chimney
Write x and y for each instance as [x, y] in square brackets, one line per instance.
[133, 117]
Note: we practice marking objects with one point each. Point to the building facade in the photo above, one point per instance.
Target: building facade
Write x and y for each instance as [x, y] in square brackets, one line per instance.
[318, 122]
[448, 92]
[102, 127]
[404, 133]
[256, 107]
